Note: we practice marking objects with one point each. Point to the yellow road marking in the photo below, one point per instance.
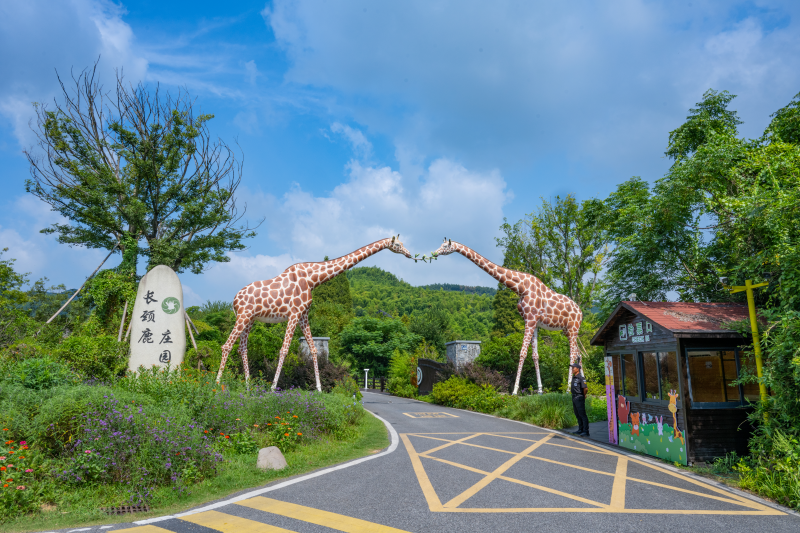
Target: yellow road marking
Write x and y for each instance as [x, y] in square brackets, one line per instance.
[464, 496]
[451, 442]
[618, 489]
[317, 516]
[231, 524]
[580, 449]
[430, 415]
[467, 444]
[434, 504]
[149, 528]
[519, 482]
[767, 512]
[746, 503]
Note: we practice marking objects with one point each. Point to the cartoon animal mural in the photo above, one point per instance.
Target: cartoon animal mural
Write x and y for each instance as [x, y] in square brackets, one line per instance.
[539, 306]
[673, 408]
[287, 298]
[635, 424]
[660, 425]
[623, 409]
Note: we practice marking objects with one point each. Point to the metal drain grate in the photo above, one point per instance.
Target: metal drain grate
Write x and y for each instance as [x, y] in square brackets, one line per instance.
[126, 509]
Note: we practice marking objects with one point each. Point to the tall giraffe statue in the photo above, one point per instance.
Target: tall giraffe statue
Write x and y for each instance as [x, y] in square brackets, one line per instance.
[287, 298]
[538, 304]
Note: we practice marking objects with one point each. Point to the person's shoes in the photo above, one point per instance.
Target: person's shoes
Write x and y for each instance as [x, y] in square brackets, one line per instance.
[583, 434]
[579, 432]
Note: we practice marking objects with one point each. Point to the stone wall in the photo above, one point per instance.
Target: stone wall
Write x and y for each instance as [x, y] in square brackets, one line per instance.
[462, 352]
[321, 343]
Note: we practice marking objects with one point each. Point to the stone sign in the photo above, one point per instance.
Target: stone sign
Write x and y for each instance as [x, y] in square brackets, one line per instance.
[158, 335]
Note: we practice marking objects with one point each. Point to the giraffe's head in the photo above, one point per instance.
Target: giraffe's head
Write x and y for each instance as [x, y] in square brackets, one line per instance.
[446, 248]
[397, 247]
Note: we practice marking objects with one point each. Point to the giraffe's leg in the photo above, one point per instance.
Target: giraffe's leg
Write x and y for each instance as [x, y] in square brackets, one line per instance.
[287, 340]
[574, 354]
[238, 328]
[535, 345]
[311, 347]
[243, 352]
[526, 340]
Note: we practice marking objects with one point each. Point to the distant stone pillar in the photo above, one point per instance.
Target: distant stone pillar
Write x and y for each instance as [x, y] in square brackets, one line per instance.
[462, 352]
[158, 335]
[321, 343]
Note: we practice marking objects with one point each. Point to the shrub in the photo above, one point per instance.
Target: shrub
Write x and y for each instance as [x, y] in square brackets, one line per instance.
[348, 387]
[122, 442]
[21, 486]
[480, 375]
[100, 357]
[38, 373]
[207, 356]
[403, 374]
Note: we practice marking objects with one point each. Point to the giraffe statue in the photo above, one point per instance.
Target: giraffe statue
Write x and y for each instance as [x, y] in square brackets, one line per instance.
[538, 304]
[287, 298]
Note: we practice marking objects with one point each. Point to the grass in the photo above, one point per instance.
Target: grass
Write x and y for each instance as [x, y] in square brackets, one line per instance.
[81, 507]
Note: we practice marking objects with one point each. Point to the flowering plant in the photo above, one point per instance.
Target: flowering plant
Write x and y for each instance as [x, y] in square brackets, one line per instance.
[21, 470]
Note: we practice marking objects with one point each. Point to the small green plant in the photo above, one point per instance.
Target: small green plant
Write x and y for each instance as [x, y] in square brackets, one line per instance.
[282, 434]
[347, 387]
[241, 443]
[39, 373]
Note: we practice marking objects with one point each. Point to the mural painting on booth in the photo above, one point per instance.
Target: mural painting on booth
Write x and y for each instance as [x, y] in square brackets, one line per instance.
[646, 433]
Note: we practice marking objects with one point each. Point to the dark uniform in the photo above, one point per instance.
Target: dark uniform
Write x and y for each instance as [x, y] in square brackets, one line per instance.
[579, 403]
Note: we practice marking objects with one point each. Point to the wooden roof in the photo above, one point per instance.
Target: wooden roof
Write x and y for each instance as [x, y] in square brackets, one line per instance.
[679, 317]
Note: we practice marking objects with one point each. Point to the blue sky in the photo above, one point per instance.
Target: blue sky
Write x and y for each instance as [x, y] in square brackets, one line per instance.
[358, 120]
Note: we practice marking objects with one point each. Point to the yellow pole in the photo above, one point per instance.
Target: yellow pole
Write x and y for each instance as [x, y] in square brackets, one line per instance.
[756, 341]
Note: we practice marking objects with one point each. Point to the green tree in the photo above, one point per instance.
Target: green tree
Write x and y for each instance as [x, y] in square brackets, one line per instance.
[563, 243]
[137, 165]
[433, 325]
[369, 342]
[506, 318]
[11, 282]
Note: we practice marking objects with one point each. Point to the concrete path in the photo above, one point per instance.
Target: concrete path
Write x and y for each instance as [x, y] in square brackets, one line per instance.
[450, 470]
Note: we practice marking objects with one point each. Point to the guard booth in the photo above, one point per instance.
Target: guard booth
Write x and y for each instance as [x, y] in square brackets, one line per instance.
[670, 368]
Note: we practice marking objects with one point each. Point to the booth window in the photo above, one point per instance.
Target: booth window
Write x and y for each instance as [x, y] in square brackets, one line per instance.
[660, 370]
[630, 378]
[712, 374]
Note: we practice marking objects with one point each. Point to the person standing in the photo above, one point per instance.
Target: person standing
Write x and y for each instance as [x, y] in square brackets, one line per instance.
[579, 391]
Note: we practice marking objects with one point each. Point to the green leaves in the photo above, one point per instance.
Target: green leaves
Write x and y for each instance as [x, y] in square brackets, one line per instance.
[711, 117]
[139, 167]
[563, 243]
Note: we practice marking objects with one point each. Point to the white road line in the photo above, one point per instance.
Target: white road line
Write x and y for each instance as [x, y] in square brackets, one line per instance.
[395, 440]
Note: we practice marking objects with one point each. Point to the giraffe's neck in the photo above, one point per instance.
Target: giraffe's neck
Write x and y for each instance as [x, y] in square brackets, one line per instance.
[499, 273]
[336, 266]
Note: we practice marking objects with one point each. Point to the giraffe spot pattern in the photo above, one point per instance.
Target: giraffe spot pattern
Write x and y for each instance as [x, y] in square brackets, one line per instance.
[287, 297]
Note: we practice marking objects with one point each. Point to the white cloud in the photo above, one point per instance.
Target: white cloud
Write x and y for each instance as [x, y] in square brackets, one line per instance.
[373, 203]
[71, 36]
[252, 71]
[531, 82]
[359, 143]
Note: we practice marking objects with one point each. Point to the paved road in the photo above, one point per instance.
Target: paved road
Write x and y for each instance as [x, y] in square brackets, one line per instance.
[464, 472]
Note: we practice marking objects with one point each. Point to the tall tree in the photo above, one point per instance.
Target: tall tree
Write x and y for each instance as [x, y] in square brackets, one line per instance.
[133, 165]
[563, 243]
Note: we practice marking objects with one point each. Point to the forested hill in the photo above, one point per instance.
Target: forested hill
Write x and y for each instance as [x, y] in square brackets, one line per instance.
[376, 291]
[460, 288]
